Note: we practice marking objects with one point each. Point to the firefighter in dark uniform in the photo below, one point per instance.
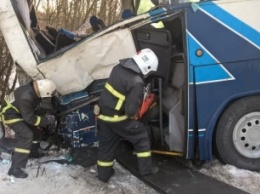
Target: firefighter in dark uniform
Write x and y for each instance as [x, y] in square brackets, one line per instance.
[119, 105]
[17, 113]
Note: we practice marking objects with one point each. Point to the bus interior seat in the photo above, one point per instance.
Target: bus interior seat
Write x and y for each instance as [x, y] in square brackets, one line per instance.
[172, 106]
[172, 93]
[46, 40]
[159, 40]
[52, 31]
[63, 40]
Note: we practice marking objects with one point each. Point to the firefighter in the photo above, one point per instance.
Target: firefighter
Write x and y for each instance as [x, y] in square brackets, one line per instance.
[18, 114]
[117, 113]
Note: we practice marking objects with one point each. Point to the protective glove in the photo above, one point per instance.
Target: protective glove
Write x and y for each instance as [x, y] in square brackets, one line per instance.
[51, 119]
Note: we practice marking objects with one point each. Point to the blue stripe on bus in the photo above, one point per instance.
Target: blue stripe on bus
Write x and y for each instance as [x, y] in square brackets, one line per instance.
[207, 72]
[233, 22]
[211, 73]
[156, 11]
[221, 42]
[204, 59]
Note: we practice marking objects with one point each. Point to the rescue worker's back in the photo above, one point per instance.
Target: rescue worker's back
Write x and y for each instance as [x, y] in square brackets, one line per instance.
[128, 83]
[119, 105]
[18, 113]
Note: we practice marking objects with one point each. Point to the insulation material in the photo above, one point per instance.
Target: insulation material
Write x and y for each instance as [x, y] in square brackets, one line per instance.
[25, 13]
[16, 38]
[75, 69]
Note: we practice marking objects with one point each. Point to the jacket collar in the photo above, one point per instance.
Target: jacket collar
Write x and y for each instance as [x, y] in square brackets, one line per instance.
[129, 63]
[32, 91]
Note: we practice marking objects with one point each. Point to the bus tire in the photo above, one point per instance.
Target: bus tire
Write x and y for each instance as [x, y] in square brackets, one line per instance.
[238, 134]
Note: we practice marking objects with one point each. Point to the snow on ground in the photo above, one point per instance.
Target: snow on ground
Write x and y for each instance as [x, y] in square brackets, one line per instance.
[246, 180]
[49, 178]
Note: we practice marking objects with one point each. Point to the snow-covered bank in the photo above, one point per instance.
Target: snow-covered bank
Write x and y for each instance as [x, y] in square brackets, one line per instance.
[49, 178]
[246, 180]
[57, 178]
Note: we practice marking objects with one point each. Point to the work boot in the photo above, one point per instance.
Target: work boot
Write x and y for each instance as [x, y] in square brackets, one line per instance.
[35, 151]
[17, 172]
[105, 179]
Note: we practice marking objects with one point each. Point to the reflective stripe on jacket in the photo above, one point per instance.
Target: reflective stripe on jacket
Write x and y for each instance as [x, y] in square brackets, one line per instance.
[123, 93]
[21, 150]
[4, 109]
[121, 97]
[143, 154]
[105, 164]
[115, 118]
[23, 107]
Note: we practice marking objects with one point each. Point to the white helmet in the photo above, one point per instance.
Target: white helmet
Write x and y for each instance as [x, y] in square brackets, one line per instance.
[146, 60]
[46, 87]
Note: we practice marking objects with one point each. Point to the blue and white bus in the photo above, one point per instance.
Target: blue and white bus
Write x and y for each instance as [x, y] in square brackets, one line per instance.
[208, 84]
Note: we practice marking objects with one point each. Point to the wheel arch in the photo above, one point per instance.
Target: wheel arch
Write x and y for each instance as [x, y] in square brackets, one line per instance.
[213, 122]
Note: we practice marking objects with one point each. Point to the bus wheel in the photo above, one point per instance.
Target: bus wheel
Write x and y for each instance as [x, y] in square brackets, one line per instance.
[238, 134]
